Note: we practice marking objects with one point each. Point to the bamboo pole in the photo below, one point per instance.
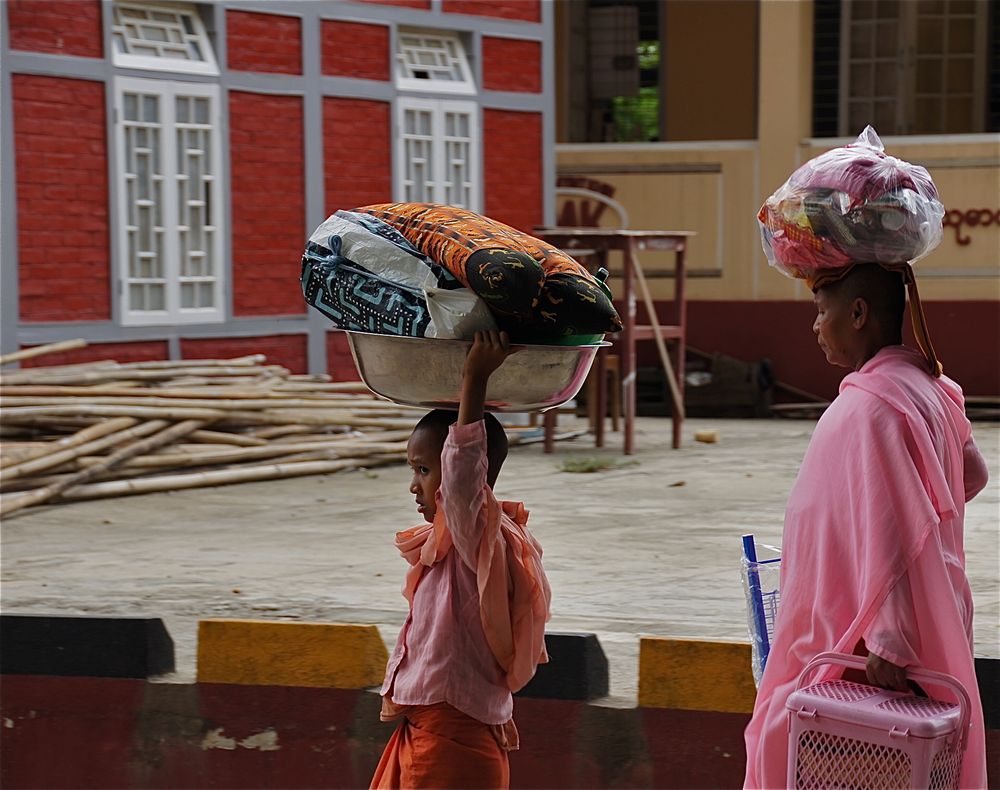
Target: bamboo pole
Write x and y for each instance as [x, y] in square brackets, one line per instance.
[252, 404]
[7, 486]
[17, 502]
[239, 454]
[34, 374]
[108, 374]
[215, 383]
[229, 417]
[333, 386]
[274, 431]
[247, 474]
[78, 438]
[222, 437]
[374, 436]
[37, 351]
[224, 392]
[25, 484]
[249, 360]
[60, 457]
[51, 425]
[314, 377]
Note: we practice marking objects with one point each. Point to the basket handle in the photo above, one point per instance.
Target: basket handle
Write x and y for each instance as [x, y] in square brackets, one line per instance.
[913, 673]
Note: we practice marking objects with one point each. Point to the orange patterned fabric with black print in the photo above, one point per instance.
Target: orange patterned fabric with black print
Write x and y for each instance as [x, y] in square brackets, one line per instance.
[507, 268]
[449, 235]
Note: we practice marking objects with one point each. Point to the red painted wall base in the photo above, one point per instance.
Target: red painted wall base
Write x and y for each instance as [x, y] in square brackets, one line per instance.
[60, 732]
[966, 336]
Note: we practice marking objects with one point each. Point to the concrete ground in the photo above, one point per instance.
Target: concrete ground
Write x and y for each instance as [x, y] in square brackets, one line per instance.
[649, 547]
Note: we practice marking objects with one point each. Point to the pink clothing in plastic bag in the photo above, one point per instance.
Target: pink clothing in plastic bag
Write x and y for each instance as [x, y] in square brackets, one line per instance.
[853, 204]
[872, 547]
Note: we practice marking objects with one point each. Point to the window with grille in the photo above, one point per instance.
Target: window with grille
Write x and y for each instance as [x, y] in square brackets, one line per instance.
[161, 37]
[170, 234]
[432, 61]
[913, 66]
[438, 152]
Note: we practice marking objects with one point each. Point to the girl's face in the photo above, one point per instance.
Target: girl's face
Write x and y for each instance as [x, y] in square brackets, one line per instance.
[423, 454]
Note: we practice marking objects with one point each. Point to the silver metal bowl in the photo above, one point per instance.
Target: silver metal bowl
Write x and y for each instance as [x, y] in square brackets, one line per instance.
[427, 372]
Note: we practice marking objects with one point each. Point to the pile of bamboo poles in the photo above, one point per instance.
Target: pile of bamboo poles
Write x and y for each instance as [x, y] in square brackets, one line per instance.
[103, 429]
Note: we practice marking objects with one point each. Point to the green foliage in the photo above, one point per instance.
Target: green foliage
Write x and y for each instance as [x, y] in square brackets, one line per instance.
[637, 118]
[649, 55]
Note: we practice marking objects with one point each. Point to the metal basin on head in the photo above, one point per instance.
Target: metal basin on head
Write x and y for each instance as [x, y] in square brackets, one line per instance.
[427, 372]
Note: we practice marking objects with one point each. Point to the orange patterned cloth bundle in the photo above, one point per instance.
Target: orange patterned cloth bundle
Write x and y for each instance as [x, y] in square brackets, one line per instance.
[535, 291]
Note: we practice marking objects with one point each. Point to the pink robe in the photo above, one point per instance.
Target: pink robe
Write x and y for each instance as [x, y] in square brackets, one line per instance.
[872, 547]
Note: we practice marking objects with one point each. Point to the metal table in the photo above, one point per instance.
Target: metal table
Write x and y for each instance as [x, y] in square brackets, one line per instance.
[600, 242]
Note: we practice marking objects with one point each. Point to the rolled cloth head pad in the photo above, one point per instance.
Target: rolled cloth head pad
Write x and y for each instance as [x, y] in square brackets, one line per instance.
[853, 204]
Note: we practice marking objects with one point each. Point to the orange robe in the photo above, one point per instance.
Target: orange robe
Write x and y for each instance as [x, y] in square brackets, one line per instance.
[437, 746]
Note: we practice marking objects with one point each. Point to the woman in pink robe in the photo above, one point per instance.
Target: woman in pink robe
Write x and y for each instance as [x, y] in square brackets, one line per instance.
[872, 560]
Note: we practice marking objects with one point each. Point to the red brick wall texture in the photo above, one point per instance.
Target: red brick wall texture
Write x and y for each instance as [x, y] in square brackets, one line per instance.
[511, 64]
[512, 146]
[60, 27]
[355, 49]
[268, 202]
[339, 362]
[264, 42]
[357, 153]
[521, 10]
[62, 199]
[287, 350]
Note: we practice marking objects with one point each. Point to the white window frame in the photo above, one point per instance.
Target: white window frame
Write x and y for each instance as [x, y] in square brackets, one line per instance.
[404, 68]
[905, 61]
[438, 108]
[173, 313]
[165, 63]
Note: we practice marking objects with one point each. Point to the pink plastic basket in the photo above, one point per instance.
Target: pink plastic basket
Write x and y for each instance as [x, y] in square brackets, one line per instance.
[848, 735]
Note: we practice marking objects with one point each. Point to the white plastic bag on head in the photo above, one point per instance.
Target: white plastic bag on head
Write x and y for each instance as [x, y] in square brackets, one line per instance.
[854, 204]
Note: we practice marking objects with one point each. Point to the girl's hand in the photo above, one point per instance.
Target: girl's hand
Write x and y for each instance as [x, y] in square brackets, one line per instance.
[489, 350]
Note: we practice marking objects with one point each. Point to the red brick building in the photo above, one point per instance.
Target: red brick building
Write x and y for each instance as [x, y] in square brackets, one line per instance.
[165, 162]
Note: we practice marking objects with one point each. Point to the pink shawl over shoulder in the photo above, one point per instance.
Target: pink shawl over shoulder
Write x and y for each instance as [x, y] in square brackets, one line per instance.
[514, 595]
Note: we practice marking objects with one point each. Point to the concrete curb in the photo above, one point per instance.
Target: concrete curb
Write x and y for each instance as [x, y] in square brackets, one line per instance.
[690, 674]
[271, 653]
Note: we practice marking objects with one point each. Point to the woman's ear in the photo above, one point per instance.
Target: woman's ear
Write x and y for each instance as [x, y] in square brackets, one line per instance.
[860, 312]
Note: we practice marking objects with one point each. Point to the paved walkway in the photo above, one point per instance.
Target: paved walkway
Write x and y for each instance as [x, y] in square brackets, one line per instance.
[646, 548]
